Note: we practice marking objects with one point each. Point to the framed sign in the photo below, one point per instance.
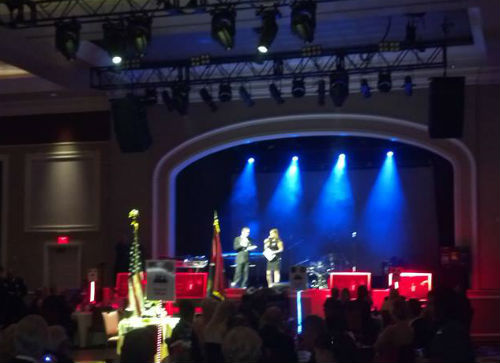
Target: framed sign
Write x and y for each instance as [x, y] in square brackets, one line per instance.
[160, 283]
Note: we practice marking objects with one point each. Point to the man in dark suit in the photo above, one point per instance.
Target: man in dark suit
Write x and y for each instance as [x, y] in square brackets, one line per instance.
[242, 244]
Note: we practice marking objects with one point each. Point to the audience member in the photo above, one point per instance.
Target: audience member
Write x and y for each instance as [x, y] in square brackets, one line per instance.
[394, 344]
[59, 344]
[30, 339]
[139, 345]
[216, 330]
[242, 345]
[451, 342]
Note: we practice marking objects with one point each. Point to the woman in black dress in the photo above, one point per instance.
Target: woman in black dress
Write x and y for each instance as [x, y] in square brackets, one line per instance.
[274, 247]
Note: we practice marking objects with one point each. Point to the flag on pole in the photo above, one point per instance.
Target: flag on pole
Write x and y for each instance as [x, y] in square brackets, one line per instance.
[216, 279]
[135, 293]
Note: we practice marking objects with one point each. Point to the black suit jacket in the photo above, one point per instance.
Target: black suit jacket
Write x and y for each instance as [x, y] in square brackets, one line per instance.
[242, 256]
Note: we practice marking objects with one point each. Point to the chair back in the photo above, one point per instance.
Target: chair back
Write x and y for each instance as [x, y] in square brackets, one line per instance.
[110, 323]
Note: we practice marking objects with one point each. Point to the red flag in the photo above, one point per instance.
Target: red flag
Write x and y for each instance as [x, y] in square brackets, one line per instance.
[216, 280]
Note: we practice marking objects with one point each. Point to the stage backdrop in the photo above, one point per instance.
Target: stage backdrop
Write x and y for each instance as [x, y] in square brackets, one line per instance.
[362, 209]
[363, 222]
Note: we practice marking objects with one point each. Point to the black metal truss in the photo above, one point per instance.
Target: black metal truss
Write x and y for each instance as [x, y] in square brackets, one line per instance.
[309, 63]
[42, 13]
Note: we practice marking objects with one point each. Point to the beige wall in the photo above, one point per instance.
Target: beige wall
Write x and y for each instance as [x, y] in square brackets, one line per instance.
[126, 178]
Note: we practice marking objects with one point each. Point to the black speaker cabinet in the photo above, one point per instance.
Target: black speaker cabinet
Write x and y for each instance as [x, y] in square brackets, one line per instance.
[131, 124]
[446, 107]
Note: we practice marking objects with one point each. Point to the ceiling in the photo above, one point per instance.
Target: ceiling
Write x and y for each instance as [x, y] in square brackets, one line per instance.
[30, 65]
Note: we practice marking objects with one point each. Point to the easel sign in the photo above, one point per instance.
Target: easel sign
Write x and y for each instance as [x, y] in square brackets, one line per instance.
[160, 280]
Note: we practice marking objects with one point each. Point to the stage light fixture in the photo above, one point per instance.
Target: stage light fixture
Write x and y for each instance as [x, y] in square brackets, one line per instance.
[342, 156]
[223, 27]
[321, 92]
[246, 96]
[251, 160]
[180, 97]
[408, 85]
[207, 98]
[303, 20]
[298, 87]
[384, 83]
[390, 154]
[114, 39]
[167, 100]
[276, 93]
[138, 35]
[295, 158]
[339, 86]
[225, 92]
[68, 38]
[268, 30]
[365, 89]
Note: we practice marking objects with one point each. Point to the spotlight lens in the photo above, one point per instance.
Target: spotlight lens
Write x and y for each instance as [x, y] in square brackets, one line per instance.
[262, 49]
[390, 154]
[251, 160]
[116, 59]
[342, 156]
[295, 158]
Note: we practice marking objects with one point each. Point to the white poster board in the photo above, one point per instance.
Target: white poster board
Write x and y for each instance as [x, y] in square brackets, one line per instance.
[160, 280]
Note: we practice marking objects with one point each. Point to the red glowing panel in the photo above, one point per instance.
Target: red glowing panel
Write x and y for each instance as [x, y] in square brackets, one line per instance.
[414, 285]
[190, 285]
[62, 240]
[350, 280]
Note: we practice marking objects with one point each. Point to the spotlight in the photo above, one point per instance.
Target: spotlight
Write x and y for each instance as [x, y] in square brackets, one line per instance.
[68, 38]
[321, 92]
[295, 158]
[223, 27]
[303, 20]
[276, 94]
[180, 97]
[138, 35]
[408, 85]
[115, 40]
[298, 87]
[268, 30]
[390, 154]
[207, 98]
[365, 89]
[339, 86]
[251, 160]
[127, 41]
[384, 83]
[225, 92]
[246, 96]
[342, 156]
[167, 100]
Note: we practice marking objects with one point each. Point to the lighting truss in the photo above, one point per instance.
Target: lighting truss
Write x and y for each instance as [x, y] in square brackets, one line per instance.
[41, 13]
[309, 63]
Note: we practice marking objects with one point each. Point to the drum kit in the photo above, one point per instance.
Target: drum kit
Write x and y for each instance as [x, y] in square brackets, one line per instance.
[319, 270]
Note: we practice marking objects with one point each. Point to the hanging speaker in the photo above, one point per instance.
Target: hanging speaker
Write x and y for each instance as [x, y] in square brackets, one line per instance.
[446, 107]
[131, 124]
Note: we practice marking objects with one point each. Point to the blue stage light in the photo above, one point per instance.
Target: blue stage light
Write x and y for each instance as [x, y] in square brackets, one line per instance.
[251, 160]
[390, 154]
[295, 158]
